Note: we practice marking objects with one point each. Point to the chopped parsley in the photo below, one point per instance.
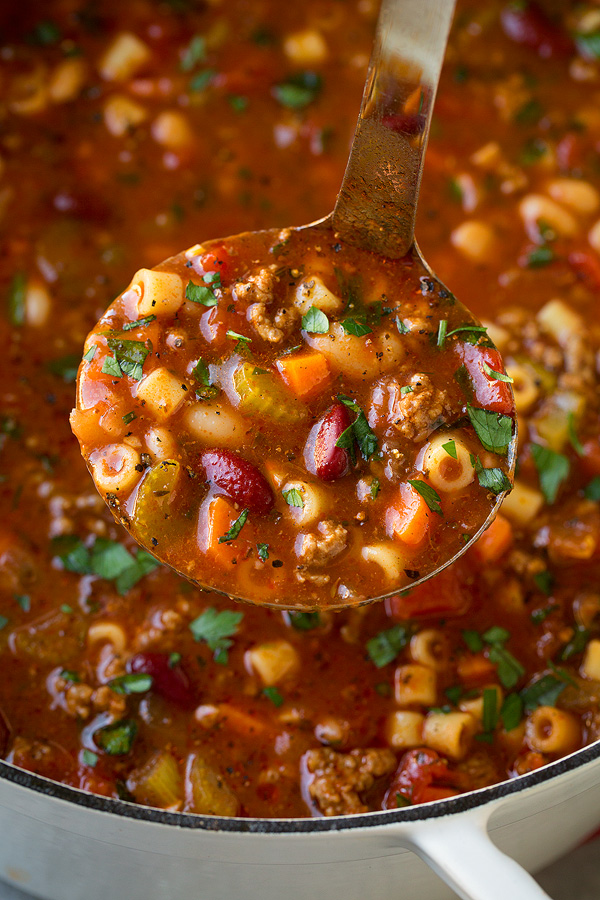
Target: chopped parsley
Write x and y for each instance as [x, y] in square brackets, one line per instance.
[129, 417]
[45, 33]
[494, 480]
[201, 293]
[16, 299]
[89, 757]
[450, 448]
[529, 113]
[216, 629]
[544, 691]
[553, 469]
[201, 374]
[374, 490]
[497, 376]
[441, 334]
[298, 90]
[402, 328]
[293, 497]
[540, 257]
[201, 80]
[473, 640]
[65, 367]
[304, 621]
[511, 711]
[70, 675]
[359, 431]
[90, 353]
[544, 581]
[24, 601]
[406, 389]
[385, 646]
[429, 495]
[235, 528]
[132, 683]
[194, 53]
[263, 551]
[356, 327]
[577, 643]
[128, 359]
[106, 559]
[472, 332]
[242, 341]
[490, 709]
[237, 102]
[509, 669]
[573, 438]
[315, 321]
[493, 429]
[139, 323]
[592, 489]
[3, 622]
[117, 738]
[540, 615]
[273, 695]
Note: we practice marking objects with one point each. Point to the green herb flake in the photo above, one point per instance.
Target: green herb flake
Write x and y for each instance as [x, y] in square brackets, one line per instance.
[592, 489]
[356, 327]
[496, 635]
[490, 709]
[472, 332]
[588, 44]
[544, 581]
[497, 376]
[374, 489]
[16, 300]
[454, 693]
[129, 356]
[117, 738]
[293, 497]
[360, 430]
[65, 367]
[128, 418]
[429, 495]
[110, 366]
[315, 321]
[201, 80]
[298, 90]
[201, 374]
[304, 621]
[494, 480]
[200, 293]
[553, 469]
[238, 103]
[473, 640]
[540, 615]
[89, 758]
[139, 323]
[544, 691]
[194, 53]
[401, 800]
[540, 257]
[45, 33]
[24, 601]
[235, 529]
[174, 659]
[402, 328]
[533, 151]
[385, 646]
[132, 683]
[263, 551]
[273, 695]
[90, 353]
[70, 676]
[511, 711]
[406, 389]
[450, 448]
[66, 609]
[509, 669]
[441, 333]
[577, 644]
[493, 429]
[529, 113]
[573, 438]
[3, 622]
[216, 629]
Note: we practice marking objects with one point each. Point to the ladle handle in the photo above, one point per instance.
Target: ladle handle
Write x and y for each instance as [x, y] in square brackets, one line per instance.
[377, 203]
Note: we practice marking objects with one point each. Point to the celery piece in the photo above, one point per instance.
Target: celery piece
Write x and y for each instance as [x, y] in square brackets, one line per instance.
[261, 395]
[152, 506]
[551, 422]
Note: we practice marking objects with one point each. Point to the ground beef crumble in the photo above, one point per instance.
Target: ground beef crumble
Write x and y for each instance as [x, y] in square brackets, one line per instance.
[417, 412]
[313, 550]
[340, 779]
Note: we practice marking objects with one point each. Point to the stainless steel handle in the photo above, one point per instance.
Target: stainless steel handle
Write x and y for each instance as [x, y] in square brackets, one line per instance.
[377, 202]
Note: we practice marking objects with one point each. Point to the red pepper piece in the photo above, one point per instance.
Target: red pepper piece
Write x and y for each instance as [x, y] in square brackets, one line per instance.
[423, 775]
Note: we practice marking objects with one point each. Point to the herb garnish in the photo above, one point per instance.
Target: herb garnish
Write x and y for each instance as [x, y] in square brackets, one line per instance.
[429, 495]
[511, 711]
[132, 683]
[106, 559]
[201, 374]
[139, 323]
[304, 621]
[89, 758]
[553, 468]
[202, 293]
[242, 341]
[315, 321]
[16, 300]
[298, 90]
[359, 431]
[90, 353]
[194, 53]
[293, 497]
[385, 646]
[216, 629]
[274, 695]
[128, 359]
[263, 551]
[235, 528]
[117, 738]
[494, 480]
[545, 691]
[497, 376]
[450, 448]
[493, 429]
[573, 438]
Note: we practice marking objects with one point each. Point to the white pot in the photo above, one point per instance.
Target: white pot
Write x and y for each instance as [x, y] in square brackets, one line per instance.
[62, 844]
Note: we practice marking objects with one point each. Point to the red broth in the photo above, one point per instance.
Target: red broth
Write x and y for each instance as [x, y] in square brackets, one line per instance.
[122, 679]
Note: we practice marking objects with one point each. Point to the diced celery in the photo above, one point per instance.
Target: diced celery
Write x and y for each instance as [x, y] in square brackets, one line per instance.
[152, 506]
[158, 782]
[552, 422]
[210, 795]
[261, 395]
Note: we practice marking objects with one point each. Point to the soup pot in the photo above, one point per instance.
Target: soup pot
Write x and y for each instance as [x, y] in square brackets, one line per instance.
[63, 844]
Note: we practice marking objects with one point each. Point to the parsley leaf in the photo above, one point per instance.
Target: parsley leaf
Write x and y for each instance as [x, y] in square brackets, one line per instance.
[194, 53]
[539, 257]
[304, 621]
[553, 468]
[545, 691]
[359, 430]
[129, 356]
[293, 497]
[201, 374]
[429, 495]
[139, 323]
[493, 429]
[216, 629]
[263, 551]
[592, 489]
[89, 757]
[16, 300]
[509, 668]
[107, 559]
[242, 341]
[298, 90]
[544, 581]
[497, 376]
[441, 334]
[117, 738]
[494, 480]
[490, 709]
[132, 683]
[511, 711]
[315, 321]
[65, 367]
[90, 353]
[385, 646]
[274, 695]
[200, 293]
[356, 327]
[450, 448]
[573, 438]
[473, 640]
[235, 529]
[576, 644]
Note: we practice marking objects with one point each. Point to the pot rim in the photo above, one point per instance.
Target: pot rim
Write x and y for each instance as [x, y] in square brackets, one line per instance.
[452, 805]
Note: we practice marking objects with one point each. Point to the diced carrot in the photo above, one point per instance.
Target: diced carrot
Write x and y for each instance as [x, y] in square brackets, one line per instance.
[408, 518]
[494, 542]
[305, 374]
[241, 722]
[221, 516]
[475, 668]
[86, 428]
[445, 595]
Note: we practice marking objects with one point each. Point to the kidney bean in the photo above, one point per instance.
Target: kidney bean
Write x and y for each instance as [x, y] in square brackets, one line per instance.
[240, 480]
[170, 681]
[330, 462]
[529, 25]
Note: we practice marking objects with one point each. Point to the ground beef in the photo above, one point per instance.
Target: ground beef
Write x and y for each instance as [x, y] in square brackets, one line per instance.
[313, 550]
[417, 413]
[341, 779]
[259, 288]
[273, 329]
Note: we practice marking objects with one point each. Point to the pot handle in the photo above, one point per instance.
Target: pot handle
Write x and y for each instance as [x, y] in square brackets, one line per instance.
[460, 851]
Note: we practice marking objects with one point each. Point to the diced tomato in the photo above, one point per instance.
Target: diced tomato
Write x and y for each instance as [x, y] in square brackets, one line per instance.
[487, 392]
[215, 259]
[423, 775]
[587, 267]
[445, 595]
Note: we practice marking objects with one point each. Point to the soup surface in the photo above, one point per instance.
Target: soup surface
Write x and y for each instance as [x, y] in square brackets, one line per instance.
[128, 128]
[337, 448]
